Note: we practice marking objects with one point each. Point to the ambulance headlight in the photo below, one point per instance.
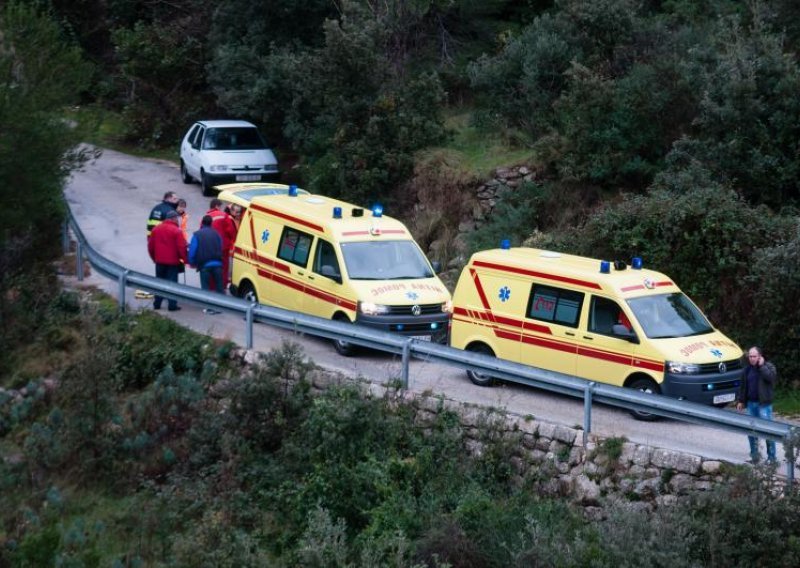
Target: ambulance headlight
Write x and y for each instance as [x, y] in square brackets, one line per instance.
[370, 309]
[679, 368]
[447, 307]
[218, 168]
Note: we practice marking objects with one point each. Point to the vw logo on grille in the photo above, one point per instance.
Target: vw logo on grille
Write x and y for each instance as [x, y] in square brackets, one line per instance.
[416, 310]
[723, 367]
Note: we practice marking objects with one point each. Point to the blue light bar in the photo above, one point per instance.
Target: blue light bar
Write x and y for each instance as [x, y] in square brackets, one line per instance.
[337, 212]
[605, 267]
[293, 190]
[636, 263]
[505, 244]
[377, 210]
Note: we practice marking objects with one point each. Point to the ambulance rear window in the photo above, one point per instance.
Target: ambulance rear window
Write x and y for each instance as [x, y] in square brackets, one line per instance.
[295, 247]
[555, 305]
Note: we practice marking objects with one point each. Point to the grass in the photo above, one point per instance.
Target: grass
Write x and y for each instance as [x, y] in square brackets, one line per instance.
[481, 152]
[787, 403]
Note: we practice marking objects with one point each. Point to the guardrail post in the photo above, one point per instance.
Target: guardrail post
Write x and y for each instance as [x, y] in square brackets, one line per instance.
[65, 237]
[587, 411]
[406, 359]
[123, 279]
[789, 442]
[248, 334]
[79, 260]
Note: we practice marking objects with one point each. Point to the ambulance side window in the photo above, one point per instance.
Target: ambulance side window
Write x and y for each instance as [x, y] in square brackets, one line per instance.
[326, 256]
[295, 247]
[555, 305]
[604, 314]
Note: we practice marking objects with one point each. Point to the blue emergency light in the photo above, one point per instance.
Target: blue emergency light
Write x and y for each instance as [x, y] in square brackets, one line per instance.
[337, 212]
[293, 190]
[605, 267]
[377, 210]
[636, 263]
[505, 244]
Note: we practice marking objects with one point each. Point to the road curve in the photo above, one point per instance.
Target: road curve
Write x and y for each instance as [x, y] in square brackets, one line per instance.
[111, 199]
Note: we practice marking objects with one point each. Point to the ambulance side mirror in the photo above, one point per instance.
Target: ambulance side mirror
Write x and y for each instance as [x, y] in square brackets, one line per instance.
[330, 272]
[437, 266]
[623, 332]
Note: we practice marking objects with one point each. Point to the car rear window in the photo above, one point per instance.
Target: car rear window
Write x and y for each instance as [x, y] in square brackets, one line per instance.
[240, 138]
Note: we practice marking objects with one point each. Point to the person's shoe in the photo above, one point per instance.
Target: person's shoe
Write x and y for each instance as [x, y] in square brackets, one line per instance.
[211, 311]
[755, 460]
[175, 309]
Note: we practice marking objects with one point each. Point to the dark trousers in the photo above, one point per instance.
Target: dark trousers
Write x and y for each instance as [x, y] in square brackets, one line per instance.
[166, 272]
[211, 279]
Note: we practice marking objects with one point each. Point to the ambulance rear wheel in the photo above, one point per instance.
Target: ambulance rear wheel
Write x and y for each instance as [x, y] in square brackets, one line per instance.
[647, 386]
[481, 379]
[248, 292]
[344, 348]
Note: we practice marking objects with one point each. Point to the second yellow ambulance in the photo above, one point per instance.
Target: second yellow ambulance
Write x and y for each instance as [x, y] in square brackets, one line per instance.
[602, 321]
[335, 260]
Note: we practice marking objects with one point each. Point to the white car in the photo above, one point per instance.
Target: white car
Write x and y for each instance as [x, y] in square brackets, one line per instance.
[226, 151]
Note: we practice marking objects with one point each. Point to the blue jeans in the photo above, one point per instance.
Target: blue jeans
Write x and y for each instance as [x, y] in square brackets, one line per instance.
[760, 411]
[212, 274]
[166, 272]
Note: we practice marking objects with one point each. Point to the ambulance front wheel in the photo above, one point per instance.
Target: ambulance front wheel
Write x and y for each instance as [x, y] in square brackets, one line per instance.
[480, 379]
[344, 348]
[647, 386]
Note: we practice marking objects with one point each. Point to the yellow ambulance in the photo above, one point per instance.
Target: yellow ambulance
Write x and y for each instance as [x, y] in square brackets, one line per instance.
[331, 259]
[599, 320]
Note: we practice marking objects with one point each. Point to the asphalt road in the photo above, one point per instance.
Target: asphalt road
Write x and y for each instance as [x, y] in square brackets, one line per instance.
[111, 199]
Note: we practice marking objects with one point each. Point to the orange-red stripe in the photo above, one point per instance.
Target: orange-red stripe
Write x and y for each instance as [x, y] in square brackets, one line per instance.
[291, 218]
[544, 275]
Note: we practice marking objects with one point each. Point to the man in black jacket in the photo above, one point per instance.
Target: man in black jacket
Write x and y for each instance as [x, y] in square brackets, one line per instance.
[205, 254]
[159, 212]
[755, 393]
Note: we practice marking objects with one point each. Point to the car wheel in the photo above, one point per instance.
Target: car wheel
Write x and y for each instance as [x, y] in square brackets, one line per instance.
[480, 379]
[248, 292]
[185, 174]
[648, 386]
[344, 348]
[205, 184]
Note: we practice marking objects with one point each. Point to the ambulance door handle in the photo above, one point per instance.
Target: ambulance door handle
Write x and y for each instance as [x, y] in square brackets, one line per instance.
[571, 334]
[310, 277]
[589, 337]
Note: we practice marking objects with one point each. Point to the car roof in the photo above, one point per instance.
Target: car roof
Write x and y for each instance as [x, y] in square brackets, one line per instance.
[226, 123]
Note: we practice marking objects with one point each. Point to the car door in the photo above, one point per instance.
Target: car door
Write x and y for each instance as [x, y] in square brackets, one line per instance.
[603, 355]
[191, 151]
[291, 282]
[552, 320]
[324, 287]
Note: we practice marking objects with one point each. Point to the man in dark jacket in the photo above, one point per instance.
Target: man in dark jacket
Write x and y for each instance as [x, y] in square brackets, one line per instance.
[159, 212]
[755, 393]
[205, 254]
[167, 248]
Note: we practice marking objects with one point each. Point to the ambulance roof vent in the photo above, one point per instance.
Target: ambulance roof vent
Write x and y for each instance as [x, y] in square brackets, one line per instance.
[357, 212]
[550, 254]
[315, 200]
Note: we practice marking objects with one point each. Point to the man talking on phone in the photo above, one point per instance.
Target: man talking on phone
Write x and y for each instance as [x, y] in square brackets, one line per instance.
[755, 394]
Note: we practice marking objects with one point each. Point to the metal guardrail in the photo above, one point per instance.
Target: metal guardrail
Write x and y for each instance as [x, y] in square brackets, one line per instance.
[590, 392]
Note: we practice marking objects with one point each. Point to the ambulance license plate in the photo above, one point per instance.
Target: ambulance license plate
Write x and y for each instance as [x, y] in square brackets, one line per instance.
[720, 398]
[248, 178]
[421, 337]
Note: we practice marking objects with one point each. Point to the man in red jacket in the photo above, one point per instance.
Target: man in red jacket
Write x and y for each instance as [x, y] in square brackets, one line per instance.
[167, 248]
[225, 225]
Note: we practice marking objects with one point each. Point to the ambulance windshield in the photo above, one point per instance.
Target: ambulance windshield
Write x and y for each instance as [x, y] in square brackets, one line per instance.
[669, 315]
[385, 260]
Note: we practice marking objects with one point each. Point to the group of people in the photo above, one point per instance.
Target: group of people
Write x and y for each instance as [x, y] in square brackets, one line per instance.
[208, 250]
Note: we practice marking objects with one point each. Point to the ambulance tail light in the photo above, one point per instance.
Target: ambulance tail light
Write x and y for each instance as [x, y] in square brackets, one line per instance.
[680, 368]
[371, 309]
[447, 307]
